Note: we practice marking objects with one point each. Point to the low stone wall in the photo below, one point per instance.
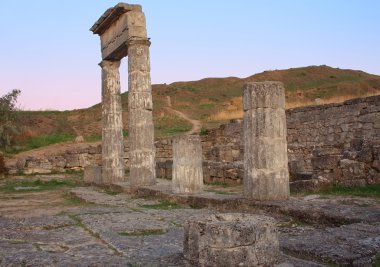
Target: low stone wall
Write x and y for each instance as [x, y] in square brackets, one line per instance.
[329, 144]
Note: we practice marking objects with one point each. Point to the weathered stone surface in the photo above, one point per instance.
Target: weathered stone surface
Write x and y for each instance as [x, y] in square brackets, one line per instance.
[231, 240]
[122, 230]
[115, 26]
[112, 132]
[348, 245]
[122, 31]
[79, 139]
[141, 129]
[93, 174]
[266, 173]
[187, 164]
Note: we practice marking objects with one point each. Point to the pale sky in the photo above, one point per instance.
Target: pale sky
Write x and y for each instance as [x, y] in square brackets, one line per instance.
[48, 52]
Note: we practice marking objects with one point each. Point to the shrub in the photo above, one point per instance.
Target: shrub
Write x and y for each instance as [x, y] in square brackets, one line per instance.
[2, 165]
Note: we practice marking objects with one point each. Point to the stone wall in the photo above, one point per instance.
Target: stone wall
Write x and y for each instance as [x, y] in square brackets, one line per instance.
[336, 143]
[329, 144]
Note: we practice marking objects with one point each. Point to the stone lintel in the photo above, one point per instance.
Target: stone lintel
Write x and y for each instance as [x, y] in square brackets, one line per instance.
[111, 15]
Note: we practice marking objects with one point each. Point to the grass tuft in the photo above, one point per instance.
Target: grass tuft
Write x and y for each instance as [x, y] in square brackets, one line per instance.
[35, 185]
[366, 191]
[143, 232]
[163, 205]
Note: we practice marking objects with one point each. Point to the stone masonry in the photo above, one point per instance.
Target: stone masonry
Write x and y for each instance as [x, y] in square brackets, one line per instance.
[333, 144]
[266, 175]
[140, 106]
[122, 31]
[187, 164]
[112, 130]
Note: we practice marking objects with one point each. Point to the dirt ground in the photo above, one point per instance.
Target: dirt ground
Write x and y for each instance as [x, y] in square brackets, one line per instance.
[90, 226]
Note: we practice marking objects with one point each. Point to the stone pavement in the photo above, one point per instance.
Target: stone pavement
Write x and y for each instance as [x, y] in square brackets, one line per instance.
[121, 230]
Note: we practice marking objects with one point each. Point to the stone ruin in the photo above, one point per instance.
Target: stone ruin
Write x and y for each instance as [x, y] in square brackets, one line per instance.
[122, 31]
[229, 239]
[266, 175]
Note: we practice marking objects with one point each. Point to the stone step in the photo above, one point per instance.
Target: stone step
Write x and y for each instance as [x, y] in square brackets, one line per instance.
[348, 245]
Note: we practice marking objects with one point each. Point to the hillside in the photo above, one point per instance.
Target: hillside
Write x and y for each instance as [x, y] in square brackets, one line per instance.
[210, 101]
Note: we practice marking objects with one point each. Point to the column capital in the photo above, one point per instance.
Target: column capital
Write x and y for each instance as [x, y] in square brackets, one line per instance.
[109, 64]
[138, 41]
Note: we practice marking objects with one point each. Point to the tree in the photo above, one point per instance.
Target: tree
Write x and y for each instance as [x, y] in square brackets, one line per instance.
[8, 119]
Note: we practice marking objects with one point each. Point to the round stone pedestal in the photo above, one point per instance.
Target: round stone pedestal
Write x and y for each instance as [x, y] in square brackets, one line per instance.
[231, 239]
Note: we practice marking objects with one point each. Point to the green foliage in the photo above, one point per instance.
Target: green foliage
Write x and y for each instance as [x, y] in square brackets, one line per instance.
[35, 185]
[366, 191]
[2, 165]
[203, 131]
[9, 127]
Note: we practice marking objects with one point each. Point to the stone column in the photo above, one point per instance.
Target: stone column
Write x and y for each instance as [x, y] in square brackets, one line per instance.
[112, 126]
[266, 175]
[187, 164]
[141, 129]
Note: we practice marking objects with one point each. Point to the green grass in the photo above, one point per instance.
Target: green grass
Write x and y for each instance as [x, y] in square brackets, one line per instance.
[207, 106]
[93, 138]
[43, 140]
[367, 191]
[72, 200]
[170, 125]
[143, 232]
[163, 205]
[35, 185]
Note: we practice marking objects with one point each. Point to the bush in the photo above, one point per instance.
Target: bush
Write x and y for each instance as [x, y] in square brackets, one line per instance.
[9, 127]
[2, 166]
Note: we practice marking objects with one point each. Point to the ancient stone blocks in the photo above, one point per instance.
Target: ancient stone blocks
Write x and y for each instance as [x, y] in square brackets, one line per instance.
[266, 174]
[123, 33]
[231, 240]
[112, 127]
[187, 164]
[93, 174]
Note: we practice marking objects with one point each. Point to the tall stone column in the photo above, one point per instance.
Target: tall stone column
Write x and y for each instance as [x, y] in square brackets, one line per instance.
[140, 106]
[266, 175]
[112, 126]
[187, 164]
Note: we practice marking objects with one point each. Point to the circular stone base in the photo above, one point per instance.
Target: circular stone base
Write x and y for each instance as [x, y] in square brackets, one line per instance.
[231, 239]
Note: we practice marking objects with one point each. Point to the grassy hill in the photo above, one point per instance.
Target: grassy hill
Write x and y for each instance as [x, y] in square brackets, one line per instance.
[212, 101]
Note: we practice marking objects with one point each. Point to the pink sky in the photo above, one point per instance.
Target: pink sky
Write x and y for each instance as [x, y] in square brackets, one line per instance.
[48, 52]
